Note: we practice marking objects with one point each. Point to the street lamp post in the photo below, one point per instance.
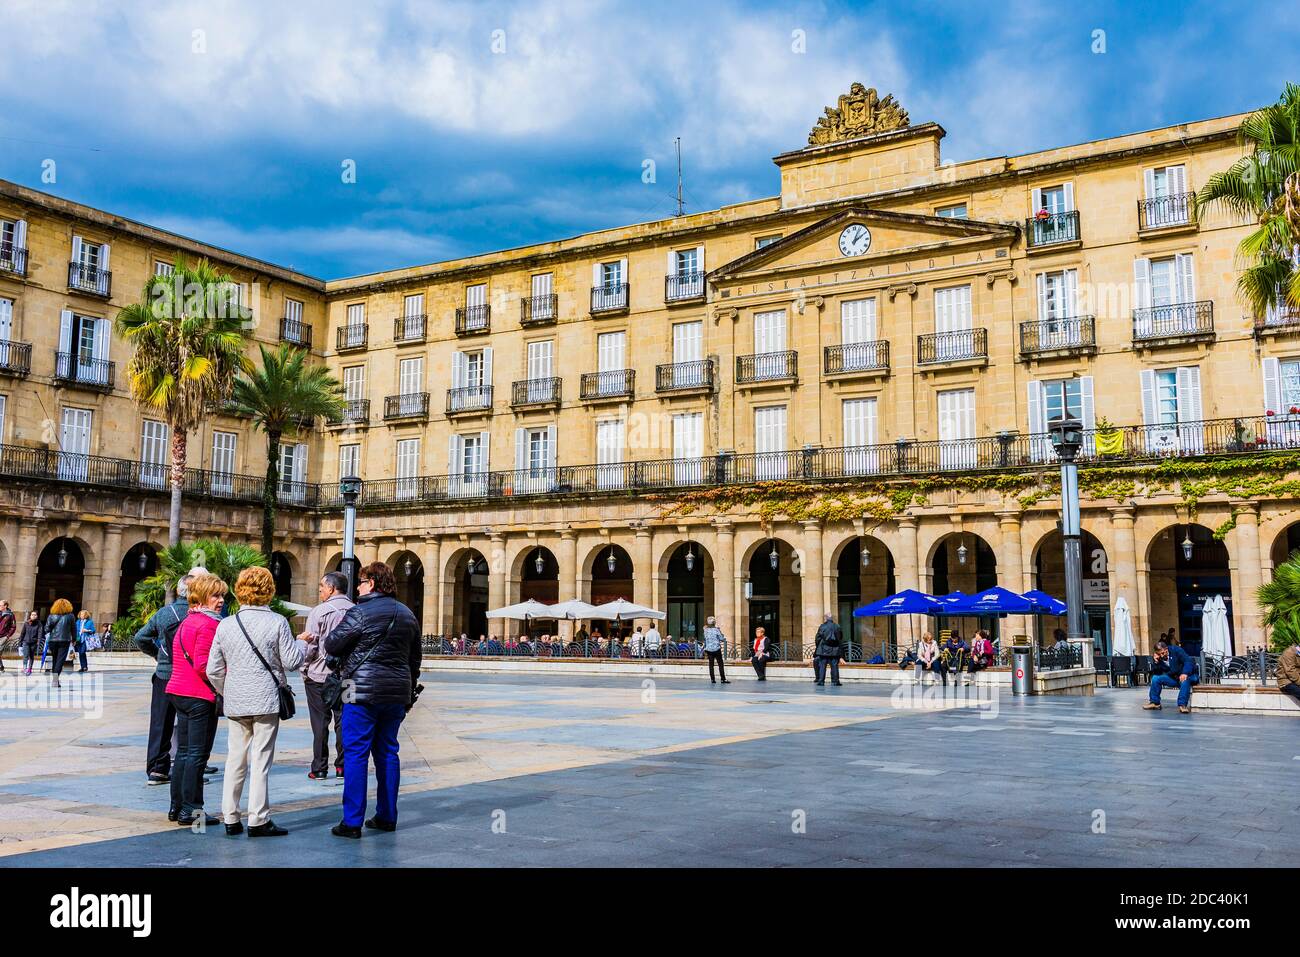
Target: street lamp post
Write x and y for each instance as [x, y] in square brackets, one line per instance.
[350, 489]
[1067, 438]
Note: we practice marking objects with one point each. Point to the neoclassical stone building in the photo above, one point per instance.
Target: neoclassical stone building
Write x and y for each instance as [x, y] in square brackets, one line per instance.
[762, 412]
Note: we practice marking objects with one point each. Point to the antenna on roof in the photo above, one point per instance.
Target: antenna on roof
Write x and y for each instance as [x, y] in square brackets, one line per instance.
[681, 205]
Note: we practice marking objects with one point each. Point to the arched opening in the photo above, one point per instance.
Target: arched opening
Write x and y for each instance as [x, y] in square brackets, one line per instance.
[864, 573]
[469, 594]
[408, 574]
[282, 572]
[60, 573]
[1049, 576]
[1187, 565]
[964, 562]
[1286, 543]
[611, 579]
[774, 597]
[140, 561]
[539, 580]
[690, 574]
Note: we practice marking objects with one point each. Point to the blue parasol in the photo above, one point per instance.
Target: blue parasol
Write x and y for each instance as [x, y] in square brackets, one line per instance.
[906, 602]
[1045, 604]
[993, 601]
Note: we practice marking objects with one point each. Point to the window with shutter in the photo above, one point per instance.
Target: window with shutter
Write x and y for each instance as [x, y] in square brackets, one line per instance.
[153, 453]
[957, 429]
[688, 448]
[769, 344]
[74, 445]
[408, 468]
[349, 461]
[770, 460]
[860, 454]
[858, 334]
[610, 454]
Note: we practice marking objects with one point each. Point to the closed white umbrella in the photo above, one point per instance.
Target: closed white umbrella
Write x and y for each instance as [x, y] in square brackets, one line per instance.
[523, 611]
[1215, 638]
[623, 610]
[1123, 644]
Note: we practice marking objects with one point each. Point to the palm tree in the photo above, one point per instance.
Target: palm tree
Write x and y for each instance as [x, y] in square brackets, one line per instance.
[278, 397]
[1280, 600]
[188, 335]
[1264, 186]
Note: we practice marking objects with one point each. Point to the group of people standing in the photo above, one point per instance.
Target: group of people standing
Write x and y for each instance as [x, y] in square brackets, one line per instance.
[61, 638]
[360, 663]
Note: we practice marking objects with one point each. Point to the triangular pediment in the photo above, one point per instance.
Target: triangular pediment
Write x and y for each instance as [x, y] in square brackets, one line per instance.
[862, 236]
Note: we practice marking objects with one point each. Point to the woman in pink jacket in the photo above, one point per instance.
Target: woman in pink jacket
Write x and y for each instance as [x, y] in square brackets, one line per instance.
[193, 698]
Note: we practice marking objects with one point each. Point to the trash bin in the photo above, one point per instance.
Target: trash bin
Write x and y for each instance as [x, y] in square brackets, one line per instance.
[1022, 669]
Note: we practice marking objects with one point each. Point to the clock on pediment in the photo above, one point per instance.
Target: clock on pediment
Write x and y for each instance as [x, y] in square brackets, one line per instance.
[855, 240]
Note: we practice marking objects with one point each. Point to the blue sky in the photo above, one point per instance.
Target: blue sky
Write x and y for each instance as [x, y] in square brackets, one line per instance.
[480, 126]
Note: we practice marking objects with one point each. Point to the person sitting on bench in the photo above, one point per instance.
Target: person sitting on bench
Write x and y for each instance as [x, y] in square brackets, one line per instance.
[928, 657]
[1171, 667]
[1288, 672]
[981, 653]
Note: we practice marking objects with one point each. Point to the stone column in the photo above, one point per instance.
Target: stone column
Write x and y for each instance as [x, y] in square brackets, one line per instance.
[908, 568]
[568, 559]
[110, 578]
[1123, 579]
[724, 579]
[497, 579]
[1248, 627]
[642, 572]
[431, 558]
[1011, 567]
[368, 551]
[813, 583]
[24, 592]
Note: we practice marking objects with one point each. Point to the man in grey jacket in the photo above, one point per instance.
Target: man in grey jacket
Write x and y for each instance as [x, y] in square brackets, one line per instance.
[334, 603]
[155, 640]
[713, 639]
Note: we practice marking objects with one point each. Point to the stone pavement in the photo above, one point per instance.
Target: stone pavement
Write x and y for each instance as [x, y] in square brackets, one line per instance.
[535, 770]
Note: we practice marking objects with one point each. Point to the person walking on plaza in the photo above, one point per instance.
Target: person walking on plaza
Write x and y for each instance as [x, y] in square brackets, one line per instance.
[378, 647]
[762, 654]
[1172, 668]
[1288, 672]
[193, 697]
[829, 650]
[85, 631]
[28, 640]
[713, 645]
[334, 603]
[60, 633]
[155, 640]
[7, 627]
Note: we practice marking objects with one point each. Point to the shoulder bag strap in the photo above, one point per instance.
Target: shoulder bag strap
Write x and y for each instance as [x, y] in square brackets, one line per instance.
[202, 674]
[274, 676]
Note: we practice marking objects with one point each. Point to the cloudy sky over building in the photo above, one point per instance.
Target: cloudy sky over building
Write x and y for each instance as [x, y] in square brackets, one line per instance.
[479, 126]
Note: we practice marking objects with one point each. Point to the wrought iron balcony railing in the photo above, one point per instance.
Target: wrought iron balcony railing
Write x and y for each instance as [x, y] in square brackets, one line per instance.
[544, 391]
[1176, 321]
[767, 367]
[1074, 334]
[295, 332]
[1279, 319]
[15, 357]
[1052, 229]
[473, 320]
[609, 298]
[616, 384]
[408, 405]
[13, 259]
[684, 286]
[857, 357]
[539, 310]
[89, 279]
[71, 368]
[1176, 210]
[348, 338]
[699, 374]
[474, 398]
[408, 329]
[952, 346]
[355, 412]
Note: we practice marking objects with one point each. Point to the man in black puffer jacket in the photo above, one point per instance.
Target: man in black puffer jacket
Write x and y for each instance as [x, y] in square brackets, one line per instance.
[377, 644]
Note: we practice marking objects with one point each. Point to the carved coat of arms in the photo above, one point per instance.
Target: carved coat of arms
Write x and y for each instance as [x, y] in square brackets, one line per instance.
[860, 112]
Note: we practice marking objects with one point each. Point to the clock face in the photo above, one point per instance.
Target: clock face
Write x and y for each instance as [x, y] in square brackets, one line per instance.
[855, 240]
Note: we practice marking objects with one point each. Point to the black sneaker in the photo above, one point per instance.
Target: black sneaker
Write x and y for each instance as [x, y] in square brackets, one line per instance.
[377, 825]
[209, 770]
[236, 828]
[342, 830]
[268, 829]
[157, 777]
[210, 820]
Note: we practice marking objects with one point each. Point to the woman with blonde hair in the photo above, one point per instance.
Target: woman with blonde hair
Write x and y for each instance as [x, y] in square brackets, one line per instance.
[193, 698]
[253, 650]
[85, 630]
[60, 633]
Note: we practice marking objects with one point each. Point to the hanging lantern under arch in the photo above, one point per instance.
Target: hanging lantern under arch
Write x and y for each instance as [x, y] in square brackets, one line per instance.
[408, 566]
[144, 560]
[1187, 545]
[866, 555]
[962, 553]
[690, 558]
[773, 558]
[610, 561]
[63, 554]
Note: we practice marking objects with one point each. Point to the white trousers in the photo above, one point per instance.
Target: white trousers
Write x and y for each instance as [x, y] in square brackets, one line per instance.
[251, 741]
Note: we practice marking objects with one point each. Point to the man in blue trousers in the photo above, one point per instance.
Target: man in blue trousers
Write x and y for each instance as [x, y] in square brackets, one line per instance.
[1172, 668]
[377, 647]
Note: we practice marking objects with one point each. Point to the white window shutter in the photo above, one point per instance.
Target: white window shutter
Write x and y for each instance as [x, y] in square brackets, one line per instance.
[1141, 283]
[1042, 297]
[595, 275]
[1149, 180]
[1272, 387]
[1087, 415]
[1035, 201]
[622, 271]
[1068, 189]
[20, 234]
[521, 449]
[1149, 396]
[485, 446]
[552, 437]
[76, 249]
[458, 372]
[453, 455]
[103, 335]
[670, 268]
[1184, 270]
[1070, 307]
[487, 366]
[300, 462]
[1177, 176]
[699, 259]
[1037, 409]
[65, 331]
[103, 257]
[1189, 394]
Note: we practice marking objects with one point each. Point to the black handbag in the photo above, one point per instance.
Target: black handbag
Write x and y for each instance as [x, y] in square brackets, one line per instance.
[332, 693]
[287, 707]
[218, 700]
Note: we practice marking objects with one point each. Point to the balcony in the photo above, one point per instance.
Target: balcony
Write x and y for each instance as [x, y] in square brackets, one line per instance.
[964, 345]
[857, 358]
[684, 287]
[1076, 335]
[767, 367]
[1167, 213]
[72, 369]
[15, 358]
[295, 332]
[13, 259]
[410, 405]
[408, 330]
[351, 338]
[474, 398]
[1054, 229]
[602, 386]
[356, 412]
[473, 320]
[1278, 321]
[89, 279]
[1173, 324]
[696, 376]
[609, 299]
[526, 393]
[539, 310]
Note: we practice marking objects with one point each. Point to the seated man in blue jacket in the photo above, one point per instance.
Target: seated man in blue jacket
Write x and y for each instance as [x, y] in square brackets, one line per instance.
[1171, 667]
